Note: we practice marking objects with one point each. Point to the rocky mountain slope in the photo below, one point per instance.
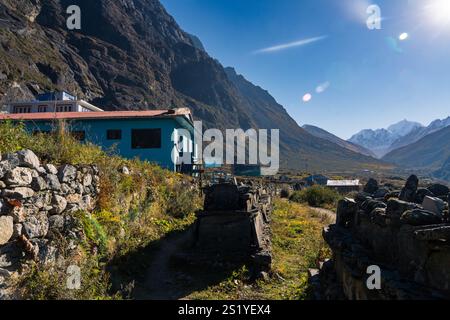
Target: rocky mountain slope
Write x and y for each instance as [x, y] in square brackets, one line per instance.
[323, 134]
[444, 172]
[431, 152]
[380, 141]
[131, 54]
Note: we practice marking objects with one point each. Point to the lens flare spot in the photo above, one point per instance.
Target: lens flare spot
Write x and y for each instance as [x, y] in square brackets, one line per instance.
[307, 97]
[322, 87]
[403, 36]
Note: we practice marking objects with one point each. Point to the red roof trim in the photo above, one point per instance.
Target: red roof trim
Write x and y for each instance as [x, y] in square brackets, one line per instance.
[94, 115]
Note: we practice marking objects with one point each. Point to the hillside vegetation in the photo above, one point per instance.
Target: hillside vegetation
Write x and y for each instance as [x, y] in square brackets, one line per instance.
[133, 210]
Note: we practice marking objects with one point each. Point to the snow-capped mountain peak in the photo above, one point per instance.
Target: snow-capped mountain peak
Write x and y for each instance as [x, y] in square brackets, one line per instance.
[380, 140]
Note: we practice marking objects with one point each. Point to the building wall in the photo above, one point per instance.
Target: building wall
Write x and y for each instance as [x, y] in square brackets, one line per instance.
[96, 132]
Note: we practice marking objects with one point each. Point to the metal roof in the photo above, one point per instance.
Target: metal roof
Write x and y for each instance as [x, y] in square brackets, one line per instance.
[343, 183]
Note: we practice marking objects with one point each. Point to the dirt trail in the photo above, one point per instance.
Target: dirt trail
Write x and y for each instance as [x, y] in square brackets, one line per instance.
[161, 282]
[325, 212]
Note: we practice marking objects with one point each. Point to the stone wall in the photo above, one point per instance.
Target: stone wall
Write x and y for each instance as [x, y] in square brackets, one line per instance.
[406, 233]
[37, 203]
[235, 224]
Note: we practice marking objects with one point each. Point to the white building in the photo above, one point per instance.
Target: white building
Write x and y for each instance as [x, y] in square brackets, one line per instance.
[52, 102]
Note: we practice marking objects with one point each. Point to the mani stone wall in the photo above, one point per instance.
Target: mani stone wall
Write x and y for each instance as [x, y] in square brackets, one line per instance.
[37, 203]
[235, 224]
[406, 233]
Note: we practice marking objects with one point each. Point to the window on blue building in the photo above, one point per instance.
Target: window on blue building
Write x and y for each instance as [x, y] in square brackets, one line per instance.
[114, 134]
[146, 138]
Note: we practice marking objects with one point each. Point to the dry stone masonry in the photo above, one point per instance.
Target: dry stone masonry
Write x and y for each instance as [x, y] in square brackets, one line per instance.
[406, 233]
[37, 203]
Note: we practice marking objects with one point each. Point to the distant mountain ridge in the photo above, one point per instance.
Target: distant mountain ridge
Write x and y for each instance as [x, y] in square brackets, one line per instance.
[380, 141]
[323, 134]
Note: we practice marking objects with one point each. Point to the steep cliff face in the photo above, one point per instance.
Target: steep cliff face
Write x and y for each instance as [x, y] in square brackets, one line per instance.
[131, 54]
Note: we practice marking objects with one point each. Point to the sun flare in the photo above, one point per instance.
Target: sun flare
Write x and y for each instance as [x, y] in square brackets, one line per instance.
[439, 11]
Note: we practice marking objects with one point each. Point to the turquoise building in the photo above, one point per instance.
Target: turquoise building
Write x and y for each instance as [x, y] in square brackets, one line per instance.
[163, 137]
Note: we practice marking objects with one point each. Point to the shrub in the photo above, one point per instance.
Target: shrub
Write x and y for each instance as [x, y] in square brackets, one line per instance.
[285, 193]
[316, 196]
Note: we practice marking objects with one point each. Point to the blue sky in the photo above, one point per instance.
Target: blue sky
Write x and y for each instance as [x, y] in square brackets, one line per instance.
[371, 78]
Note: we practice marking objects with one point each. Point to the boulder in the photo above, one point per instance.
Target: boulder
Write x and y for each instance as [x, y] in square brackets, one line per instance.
[17, 232]
[19, 193]
[87, 203]
[10, 255]
[18, 214]
[27, 158]
[41, 171]
[378, 216]
[432, 204]
[72, 208]
[51, 169]
[67, 173]
[42, 199]
[87, 180]
[4, 167]
[36, 226]
[381, 193]
[53, 182]
[392, 194]
[371, 186]
[39, 184]
[19, 177]
[2, 185]
[6, 229]
[346, 211]
[361, 197]
[74, 198]
[65, 189]
[59, 204]
[408, 193]
[3, 207]
[124, 170]
[10, 160]
[395, 207]
[421, 194]
[369, 205]
[419, 217]
[439, 190]
[56, 223]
